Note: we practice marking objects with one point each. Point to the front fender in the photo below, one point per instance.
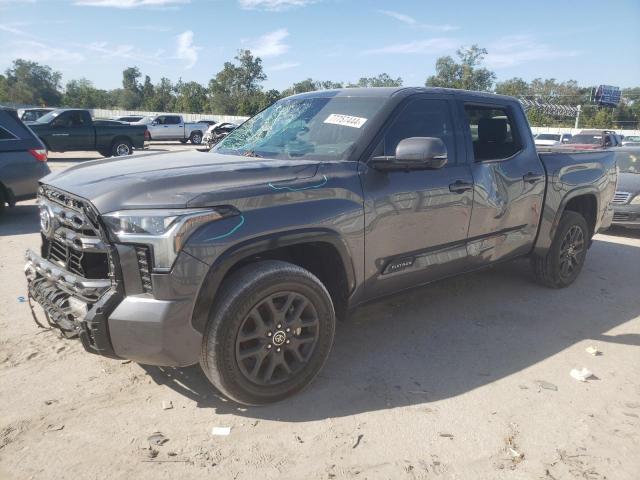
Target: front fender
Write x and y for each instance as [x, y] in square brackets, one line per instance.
[255, 246]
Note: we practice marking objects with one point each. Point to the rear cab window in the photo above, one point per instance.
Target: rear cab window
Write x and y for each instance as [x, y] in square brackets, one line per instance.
[493, 132]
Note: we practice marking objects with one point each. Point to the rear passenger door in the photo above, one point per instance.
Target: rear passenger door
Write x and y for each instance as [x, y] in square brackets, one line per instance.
[175, 127]
[416, 221]
[509, 181]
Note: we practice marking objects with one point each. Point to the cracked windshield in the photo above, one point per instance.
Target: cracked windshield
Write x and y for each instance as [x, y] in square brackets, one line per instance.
[320, 128]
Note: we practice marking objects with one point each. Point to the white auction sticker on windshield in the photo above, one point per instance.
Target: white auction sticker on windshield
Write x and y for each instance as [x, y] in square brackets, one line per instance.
[345, 120]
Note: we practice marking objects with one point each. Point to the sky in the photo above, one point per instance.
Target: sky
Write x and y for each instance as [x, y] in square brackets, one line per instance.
[593, 42]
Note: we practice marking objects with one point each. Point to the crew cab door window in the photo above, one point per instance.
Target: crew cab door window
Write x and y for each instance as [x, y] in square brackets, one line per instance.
[422, 118]
[492, 133]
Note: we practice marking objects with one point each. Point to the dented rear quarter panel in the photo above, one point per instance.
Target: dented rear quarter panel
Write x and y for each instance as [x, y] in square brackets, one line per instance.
[570, 175]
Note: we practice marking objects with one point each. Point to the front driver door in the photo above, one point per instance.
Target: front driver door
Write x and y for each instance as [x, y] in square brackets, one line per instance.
[417, 221]
[70, 131]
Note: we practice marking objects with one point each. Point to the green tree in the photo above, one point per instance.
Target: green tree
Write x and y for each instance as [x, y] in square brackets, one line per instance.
[382, 80]
[31, 83]
[515, 87]
[82, 94]
[236, 89]
[310, 85]
[191, 97]
[147, 92]
[466, 74]
[130, 97]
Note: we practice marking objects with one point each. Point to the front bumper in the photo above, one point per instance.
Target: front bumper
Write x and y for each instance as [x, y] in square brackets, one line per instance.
[114, 322]
[627, 216]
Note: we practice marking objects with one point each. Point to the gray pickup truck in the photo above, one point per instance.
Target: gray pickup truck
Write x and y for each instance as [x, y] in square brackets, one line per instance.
[242, 258]
[173, 127]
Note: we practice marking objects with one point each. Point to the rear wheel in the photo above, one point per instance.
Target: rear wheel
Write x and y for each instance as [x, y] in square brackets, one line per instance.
[196, 138]
[121, 148]
[565, 259]
[269, 334]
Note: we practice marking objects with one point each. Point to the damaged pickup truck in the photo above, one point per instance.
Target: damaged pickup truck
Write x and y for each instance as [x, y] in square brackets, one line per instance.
[242, 258]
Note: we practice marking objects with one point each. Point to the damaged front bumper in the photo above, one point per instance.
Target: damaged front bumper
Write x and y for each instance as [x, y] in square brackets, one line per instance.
[113, 319]
[77, 306]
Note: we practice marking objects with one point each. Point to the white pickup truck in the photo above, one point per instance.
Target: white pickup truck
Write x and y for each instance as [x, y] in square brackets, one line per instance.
[173, 127]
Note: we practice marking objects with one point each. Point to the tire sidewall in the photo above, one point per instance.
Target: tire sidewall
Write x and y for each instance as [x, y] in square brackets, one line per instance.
[220, 337]
[565, 224]
[114, 149]
[194, 136]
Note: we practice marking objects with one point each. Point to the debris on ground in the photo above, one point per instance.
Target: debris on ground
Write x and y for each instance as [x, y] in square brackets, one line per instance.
[358, 440]
[546, 385]
[581, 375]
[593, 350]
[221, 431]
[21, 299]
[447, 435]
[50, 402]
[124, 362]
[157, 438]
[167, 404]
[298, 439]
[151, 452]
[56, 427]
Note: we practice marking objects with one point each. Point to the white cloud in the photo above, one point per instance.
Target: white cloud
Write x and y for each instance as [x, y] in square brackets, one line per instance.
[41, 52]
[186, 50]
[409, 20]
[283, 66]
[518, 49]
[432, 45]
[270, 44]
[130, 3]
[274, 5]
[128, 52]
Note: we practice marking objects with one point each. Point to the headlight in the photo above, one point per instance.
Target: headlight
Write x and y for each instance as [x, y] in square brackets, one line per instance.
[165, 231]
[636, 200]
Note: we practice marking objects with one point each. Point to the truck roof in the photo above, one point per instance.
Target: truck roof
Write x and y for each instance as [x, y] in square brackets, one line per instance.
[399, 92]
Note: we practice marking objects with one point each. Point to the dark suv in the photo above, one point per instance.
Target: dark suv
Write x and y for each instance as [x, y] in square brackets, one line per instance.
[23, 160]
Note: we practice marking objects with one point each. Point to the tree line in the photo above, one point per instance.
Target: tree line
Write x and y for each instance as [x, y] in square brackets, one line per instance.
[237, 90]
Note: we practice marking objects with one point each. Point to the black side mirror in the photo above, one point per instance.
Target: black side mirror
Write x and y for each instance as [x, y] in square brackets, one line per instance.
[414, 153]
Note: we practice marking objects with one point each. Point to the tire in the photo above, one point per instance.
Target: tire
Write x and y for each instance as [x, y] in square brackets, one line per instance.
[271, 335]
[121, 148]
[196, 138]
[565, 259]
[105, 153]
[183, 140]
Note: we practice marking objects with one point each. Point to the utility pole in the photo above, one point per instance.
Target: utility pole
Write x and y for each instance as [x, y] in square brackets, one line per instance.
[578, 117]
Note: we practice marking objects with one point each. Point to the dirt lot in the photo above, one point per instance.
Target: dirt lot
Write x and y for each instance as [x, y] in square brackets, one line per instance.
[465, 379]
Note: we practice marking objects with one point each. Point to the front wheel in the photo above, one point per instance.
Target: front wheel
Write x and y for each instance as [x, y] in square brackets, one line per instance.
[121, 148]
[269, 334]
[563, 262]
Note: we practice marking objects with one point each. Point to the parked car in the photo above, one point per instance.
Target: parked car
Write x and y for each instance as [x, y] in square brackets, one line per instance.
[33, 114]
[551, 139]
[626, 202]
[631, 140]
[593, 140]
[242, 258]
[130, 118]
[66, 130]
[23, 160]
[215, 133]
[173, 127]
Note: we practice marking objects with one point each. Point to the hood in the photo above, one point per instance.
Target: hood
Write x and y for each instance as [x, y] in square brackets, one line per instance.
[171, 180]
[629, 182]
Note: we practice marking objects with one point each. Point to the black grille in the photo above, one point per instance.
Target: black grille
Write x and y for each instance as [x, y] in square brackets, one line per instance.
[72, 216]
[620, 217]
[143, 265]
